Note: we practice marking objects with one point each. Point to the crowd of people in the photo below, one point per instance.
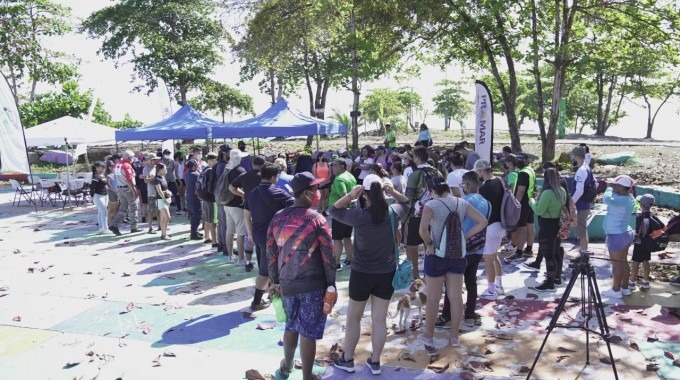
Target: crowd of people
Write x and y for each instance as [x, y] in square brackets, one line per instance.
[330, 212]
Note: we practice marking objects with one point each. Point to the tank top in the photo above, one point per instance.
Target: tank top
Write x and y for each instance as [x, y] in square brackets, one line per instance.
[322, 170]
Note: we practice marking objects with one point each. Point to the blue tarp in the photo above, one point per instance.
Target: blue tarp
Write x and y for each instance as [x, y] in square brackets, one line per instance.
[281, 120]
[186, 123]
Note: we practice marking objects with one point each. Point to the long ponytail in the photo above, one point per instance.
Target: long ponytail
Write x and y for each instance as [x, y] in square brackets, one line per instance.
[378, 207]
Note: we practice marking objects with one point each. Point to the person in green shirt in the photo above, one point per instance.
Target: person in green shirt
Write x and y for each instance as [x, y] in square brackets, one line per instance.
[390, 137]
[549, 209]
[341, 233]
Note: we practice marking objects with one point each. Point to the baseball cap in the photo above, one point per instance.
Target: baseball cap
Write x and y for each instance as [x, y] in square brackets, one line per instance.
[623, 180]
[128, 154]
[342, 151]
[368, 181]
[482, 165]
[211, 156]
[100, 164]
[579, 151]
[116, 157]
[303, 181]
[225, 148]
[192, 163]
[646, 200]
[151, 157]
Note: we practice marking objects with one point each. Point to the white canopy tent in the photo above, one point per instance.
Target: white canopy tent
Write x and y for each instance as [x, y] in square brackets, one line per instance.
[76, 131]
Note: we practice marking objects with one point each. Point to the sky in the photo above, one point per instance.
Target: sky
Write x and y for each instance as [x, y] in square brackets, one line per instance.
[113, 86]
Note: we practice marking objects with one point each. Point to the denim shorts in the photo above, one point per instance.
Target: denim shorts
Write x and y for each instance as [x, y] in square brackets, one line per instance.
[436, 266]
[304, 314]
[619, 242]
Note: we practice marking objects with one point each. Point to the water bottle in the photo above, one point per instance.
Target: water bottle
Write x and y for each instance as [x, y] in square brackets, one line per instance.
[329, 299]
[278, 308]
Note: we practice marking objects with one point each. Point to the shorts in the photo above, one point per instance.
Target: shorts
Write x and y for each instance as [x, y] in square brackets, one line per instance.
[364, 285]
[581, 229]
[675, 226]
[524, 215]
[143, 195]
[209, 212]
[163, 204]
[436, 266]
[235, 224]
[640, 254]
[262, 264]
[619, 242]
[412, 229]
[113, 197]
[494, 237]
[532, 217]
[340, 230]
[304, 313]
[152, 206]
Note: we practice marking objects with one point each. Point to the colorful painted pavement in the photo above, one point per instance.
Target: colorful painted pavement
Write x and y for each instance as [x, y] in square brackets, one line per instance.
[78, 305]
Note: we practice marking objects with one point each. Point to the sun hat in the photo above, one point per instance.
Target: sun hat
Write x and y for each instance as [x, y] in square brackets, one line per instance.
[482, 165]
[368, 181]
[623, 180]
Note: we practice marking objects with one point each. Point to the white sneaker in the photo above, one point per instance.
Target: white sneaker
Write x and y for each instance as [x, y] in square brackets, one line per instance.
[612, 294]
[489, 295]
[499, 290]
[626, 292]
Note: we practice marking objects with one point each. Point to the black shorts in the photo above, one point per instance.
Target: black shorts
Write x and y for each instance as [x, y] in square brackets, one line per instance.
[262, 264]
[675, 226]
[412, 232]
[340, 230]
[640, 254]
[524, 215]
[364, 285]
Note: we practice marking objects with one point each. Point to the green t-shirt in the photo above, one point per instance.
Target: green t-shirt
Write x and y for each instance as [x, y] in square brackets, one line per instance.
[512, 178]
[342, 184]
[391, 139]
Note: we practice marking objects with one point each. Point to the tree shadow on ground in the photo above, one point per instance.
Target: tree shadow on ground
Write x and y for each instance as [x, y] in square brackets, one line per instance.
[200, 329]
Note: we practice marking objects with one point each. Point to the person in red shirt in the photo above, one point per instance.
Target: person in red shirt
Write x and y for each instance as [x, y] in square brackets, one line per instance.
[127, 193]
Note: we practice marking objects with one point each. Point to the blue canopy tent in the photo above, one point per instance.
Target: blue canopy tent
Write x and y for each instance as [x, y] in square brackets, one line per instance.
[186, 123]
[280, 120]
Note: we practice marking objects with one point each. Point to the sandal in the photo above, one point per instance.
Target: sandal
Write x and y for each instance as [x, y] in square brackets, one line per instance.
[284, 369]
[152, 232]
[165, 237]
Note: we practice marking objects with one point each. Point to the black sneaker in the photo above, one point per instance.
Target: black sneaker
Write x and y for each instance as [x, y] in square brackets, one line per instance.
[374, 367]
[249, 267]
[115, 230]
[527, 253]
[195, 237]
[534, 267]
[345, 365]
[144, 219]
[135, 230]
[348, 263]
[557, 282]
[260, 306]
[515, 256]
[546, 286]
[442, 323]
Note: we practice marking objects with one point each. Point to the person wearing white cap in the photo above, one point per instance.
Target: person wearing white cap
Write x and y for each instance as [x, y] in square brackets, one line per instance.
[234, 209]
[127, 193]
[620, 235]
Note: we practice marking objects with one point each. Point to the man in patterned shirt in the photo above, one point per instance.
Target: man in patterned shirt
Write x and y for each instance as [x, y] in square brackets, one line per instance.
[301, 267]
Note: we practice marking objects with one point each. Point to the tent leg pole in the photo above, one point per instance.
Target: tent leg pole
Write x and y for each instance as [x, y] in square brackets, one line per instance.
[258, 145]
[317, 142]
[117, 149]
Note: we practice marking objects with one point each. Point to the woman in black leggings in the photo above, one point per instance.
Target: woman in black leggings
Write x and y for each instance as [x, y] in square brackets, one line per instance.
[549, 209]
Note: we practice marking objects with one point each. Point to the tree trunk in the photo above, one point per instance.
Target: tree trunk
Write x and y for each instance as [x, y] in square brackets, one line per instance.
[355, 85]
[34, 84]
[607, 111]
[279, 84]
[536, 70]
[272, 86]
[599, 83]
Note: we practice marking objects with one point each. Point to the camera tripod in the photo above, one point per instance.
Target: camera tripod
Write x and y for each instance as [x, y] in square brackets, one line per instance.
[590, 301]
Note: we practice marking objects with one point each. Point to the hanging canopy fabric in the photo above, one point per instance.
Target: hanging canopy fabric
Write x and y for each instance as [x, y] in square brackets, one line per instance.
[186, 123]
[281, 120]
[76, 131]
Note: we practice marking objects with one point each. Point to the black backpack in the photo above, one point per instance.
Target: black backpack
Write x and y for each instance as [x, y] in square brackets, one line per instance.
[655, 239]
[589, 188]
[451, 244]
[204, 188]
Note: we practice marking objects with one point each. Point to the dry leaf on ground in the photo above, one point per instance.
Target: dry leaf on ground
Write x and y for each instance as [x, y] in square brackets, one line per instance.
[438, 368]
[265, 326]
[169, 354]
[405, 355]
[253, 374]
[156, 362]
[669, 355]
[16, 319]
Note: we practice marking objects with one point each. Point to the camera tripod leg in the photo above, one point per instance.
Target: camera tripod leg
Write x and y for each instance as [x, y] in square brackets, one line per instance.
[601, 317]
[556, 316]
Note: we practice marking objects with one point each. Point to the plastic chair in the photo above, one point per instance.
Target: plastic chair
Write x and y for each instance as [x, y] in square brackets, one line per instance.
[20, 192]
[36, 187]
[72, 190]
[50, 192]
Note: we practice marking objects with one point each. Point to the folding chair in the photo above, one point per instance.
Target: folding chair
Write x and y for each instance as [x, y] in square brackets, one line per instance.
[74, 191]
[20, 192]
[51, 192]
[36, 187]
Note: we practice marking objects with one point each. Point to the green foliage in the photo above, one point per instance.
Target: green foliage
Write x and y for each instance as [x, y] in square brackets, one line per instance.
[71, 101]
[24, 58]
[382, 106]
[179, 41]
[451, 102]
[127, 123]
[221, 98]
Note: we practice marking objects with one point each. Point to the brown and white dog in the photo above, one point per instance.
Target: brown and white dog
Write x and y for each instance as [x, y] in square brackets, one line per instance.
[416, 297]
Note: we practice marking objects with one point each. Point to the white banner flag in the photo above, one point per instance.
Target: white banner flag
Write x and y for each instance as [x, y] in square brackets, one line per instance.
[13, 156]
[484, 122]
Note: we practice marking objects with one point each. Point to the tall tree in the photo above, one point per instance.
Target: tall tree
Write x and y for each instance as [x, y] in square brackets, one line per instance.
[24, 55]
[382, 106]
[451, 103]
[179, 41]
[219, 97]
[70, 101]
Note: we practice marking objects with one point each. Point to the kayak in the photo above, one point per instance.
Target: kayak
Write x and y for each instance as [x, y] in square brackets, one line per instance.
[619, 158]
